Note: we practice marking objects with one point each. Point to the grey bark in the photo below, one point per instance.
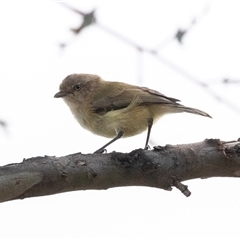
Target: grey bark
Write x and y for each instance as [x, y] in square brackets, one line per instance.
[162, 167]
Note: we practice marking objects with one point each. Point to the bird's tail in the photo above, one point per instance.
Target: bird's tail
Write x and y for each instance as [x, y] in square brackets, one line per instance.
[182, 108]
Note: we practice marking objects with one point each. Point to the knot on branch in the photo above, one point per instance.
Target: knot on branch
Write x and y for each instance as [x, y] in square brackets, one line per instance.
[230, 149]
[183, 188]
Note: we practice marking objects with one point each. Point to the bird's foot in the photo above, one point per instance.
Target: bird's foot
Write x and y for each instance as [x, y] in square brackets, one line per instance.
[147, 147]
[101, 150]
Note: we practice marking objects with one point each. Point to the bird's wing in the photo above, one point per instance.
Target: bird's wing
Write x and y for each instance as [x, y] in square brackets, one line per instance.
[152, 96]
[122, 96]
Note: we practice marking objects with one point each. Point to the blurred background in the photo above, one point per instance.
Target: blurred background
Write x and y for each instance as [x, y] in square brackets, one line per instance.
[186, 49]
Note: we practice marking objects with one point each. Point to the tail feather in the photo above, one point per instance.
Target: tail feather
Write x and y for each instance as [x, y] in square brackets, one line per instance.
[193, 110]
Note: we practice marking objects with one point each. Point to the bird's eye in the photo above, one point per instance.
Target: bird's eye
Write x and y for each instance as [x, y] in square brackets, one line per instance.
[77, 87]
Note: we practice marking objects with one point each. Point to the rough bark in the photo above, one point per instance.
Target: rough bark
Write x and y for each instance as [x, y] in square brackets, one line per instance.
[162, 167]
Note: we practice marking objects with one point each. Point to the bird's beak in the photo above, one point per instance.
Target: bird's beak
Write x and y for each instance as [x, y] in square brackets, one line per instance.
[60, 94]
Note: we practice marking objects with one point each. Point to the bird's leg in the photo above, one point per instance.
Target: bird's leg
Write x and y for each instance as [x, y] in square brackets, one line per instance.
[119, 135]
[150, 123]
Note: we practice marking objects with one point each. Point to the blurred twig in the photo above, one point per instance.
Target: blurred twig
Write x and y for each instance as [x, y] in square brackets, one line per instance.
[88, 18]
[230, 81]
[182, 32]
[3, 124]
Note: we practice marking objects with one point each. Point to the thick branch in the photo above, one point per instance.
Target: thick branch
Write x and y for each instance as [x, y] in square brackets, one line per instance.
[162, 167]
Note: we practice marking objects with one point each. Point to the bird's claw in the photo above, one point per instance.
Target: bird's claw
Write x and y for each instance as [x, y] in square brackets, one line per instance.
[101, 150]
[147, 147]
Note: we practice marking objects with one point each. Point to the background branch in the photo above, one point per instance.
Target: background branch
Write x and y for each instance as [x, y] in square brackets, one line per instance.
[162, 167]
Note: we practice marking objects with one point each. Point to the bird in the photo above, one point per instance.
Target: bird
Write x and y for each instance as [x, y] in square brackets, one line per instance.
[116, 109]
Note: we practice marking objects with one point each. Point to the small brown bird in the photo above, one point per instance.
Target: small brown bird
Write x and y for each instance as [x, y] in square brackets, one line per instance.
[116, 109]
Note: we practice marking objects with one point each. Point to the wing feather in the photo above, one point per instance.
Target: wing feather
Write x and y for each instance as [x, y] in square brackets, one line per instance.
[122, 96]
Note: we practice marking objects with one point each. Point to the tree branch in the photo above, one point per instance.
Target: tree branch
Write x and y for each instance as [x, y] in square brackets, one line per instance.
[162, 167]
